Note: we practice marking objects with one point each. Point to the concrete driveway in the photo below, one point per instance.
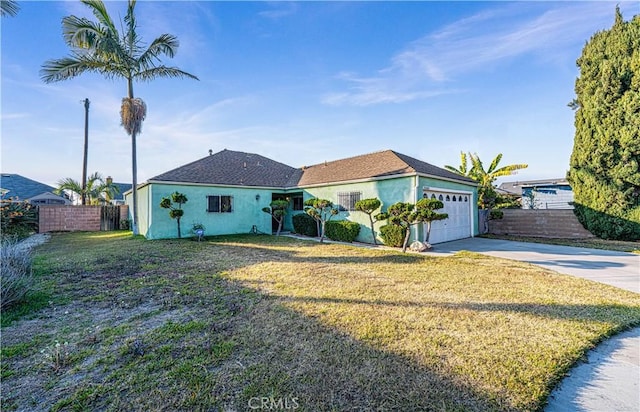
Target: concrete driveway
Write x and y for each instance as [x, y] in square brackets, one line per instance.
[613, 268]
[609, 380]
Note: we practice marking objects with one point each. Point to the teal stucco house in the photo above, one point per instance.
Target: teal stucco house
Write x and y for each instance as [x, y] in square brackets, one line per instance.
[227, 191]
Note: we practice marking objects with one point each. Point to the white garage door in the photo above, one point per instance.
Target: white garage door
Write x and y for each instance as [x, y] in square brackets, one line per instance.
[458, 225]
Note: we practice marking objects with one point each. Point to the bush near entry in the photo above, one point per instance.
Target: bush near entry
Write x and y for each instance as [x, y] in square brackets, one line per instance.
[303, 224]
[342, 230]
[392, 235]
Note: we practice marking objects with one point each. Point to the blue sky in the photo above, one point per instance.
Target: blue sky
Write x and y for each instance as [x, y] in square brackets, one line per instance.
[306, 82]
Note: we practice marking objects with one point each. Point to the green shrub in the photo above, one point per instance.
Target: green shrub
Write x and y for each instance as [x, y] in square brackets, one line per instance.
[392, 235]
[303, 224]
[18, 219]
[125, 224]
[15, 273]
[607, 226]
[342, 230]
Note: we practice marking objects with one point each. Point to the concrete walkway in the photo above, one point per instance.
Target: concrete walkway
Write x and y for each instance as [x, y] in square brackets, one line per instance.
[609, 380]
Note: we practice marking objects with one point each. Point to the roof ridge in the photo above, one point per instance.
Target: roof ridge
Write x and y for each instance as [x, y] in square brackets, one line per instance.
[347, 158]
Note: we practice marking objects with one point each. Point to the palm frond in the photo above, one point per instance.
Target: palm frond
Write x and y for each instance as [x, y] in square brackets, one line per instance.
[165, 44]
[463, 163]
[9, 8]
[454, 170]
[162, 71]
[99, 10]
[70, 185]
[80, 32]
[476, 164]
[462, 169]
[69, 67]
[509, 170]
[494, 163]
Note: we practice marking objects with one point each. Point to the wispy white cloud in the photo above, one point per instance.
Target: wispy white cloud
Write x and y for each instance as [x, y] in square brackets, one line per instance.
[430, 66]
[279, 9]
[11, 116]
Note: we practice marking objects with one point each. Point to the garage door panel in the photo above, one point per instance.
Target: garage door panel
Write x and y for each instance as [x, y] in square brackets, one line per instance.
[458, 224]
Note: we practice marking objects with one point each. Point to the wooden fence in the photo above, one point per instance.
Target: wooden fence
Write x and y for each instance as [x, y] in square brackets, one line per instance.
[58, 218]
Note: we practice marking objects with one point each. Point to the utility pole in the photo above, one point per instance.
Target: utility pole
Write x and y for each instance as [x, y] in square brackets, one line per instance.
[86, 151]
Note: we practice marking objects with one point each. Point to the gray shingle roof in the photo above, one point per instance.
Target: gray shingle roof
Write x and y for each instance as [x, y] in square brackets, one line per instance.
[122, 188]
[22, 187]
[234, 168]
[247, 169]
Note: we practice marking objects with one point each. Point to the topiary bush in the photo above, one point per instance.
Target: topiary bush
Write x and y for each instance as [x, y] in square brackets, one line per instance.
[15, 273]
[342, 230]
[392, 235]
[303, 224]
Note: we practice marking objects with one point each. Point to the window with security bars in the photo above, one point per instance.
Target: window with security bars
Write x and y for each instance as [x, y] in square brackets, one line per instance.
[219, 204]
[347, 201]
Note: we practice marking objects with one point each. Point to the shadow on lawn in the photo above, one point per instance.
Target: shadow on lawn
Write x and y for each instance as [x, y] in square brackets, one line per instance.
[598, 313]
[288, 355]
[279, 353]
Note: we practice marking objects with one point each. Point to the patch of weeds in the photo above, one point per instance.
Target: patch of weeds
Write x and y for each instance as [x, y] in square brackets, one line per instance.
[172, 330]
[28, 308]
[109, 334]
[81, 399]
[57, 357]
[23, 349]
[5, 372]
[19, 349]
[134, 347]
[221, 350]
[263, 381]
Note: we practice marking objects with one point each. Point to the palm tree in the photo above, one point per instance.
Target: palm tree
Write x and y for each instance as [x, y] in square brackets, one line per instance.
[98, 47]
[485, 178]
[9, 8]
[96, 191]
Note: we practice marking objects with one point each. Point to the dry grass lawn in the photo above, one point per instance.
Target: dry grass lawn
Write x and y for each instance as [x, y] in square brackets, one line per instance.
[234, 321]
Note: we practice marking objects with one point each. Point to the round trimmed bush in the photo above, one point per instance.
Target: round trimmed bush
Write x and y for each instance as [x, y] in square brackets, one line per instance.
[303, 224]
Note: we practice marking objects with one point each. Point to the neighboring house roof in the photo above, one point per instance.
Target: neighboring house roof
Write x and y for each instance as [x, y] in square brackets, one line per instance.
[233, 168]
[122, 187]
[16, 186]
[373, 165]
[515, 188]
[247, 169]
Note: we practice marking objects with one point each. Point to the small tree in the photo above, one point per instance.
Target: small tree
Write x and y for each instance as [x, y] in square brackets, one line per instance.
[369, 206]
[321, 210]
[426, 213]
[278, 210]
[96, 190]
[401, 214]
[486, 192]
[175, 212]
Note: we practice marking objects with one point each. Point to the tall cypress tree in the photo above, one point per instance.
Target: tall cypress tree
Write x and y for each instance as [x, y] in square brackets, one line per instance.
[605, 162]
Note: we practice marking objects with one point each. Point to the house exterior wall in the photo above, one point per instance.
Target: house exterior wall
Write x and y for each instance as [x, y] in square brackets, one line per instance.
[547, 197]
[155, 223]
[246, 210]
[389, 191]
